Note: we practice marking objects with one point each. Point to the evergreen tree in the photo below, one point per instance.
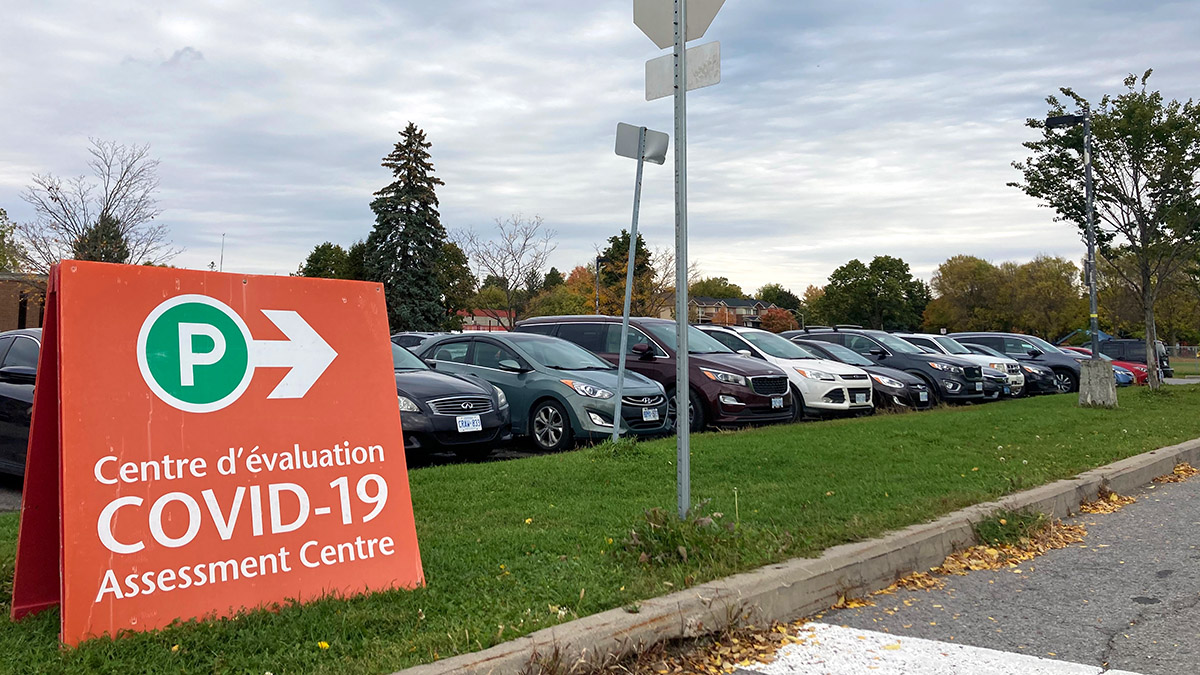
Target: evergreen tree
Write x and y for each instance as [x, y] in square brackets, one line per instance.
[553, 278]
[102, 242]
[404, 246]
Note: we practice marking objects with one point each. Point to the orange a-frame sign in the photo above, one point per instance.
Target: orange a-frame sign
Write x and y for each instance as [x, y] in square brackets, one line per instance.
[204, 443]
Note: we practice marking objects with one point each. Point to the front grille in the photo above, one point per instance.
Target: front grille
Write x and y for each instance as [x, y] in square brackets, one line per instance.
[642, 401]
[973, 372]
[853, 377]
[1013, 368]
[855, 392]
[769, 386]
[461, 405]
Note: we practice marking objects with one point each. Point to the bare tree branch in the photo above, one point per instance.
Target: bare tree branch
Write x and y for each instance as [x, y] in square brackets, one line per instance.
[520, 251]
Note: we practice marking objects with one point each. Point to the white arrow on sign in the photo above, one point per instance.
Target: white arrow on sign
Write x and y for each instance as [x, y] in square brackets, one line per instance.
[656, 18]
[304, 351]
[703, 70]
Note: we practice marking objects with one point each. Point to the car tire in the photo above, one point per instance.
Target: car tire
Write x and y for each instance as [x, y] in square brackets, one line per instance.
[799, 412]
[550, 426]
[695, 410]
[1065, 381]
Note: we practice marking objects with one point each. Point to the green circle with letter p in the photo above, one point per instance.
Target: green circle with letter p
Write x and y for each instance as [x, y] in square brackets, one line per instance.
[194, 353]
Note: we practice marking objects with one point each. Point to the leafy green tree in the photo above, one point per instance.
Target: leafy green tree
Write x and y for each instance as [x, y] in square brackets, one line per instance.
[102, 242]
[404, 247]
[715, 287]
[327, 261]
[883, 295]
[458, 284]
[966, 289]
[553, 278]
[1146, 160]
[780, 296]
[10, 249]
[557, 301]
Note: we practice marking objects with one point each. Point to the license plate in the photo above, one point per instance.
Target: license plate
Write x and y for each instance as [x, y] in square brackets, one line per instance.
[776, 401]
[468, 423]
[860, 398]
[978, 386]
[649, 414]
[924, 396]
[1007, 391]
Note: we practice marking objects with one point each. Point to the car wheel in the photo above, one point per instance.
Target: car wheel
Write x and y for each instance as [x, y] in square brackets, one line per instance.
[1065, 382]
[550, 427]
[799, 412]
[695, 411]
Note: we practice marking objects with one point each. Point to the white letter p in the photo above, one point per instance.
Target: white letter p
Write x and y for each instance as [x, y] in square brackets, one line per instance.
[189, 359]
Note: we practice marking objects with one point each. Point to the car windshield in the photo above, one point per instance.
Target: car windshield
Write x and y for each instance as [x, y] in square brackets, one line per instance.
[402, 359]
[1042, 345]
[698, 342]
[781, 348]
[559, 354]
[896, 344]
[951, 345]
[846, 355]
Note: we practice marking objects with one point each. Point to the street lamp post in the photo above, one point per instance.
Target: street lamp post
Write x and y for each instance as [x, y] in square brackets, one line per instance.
[798, 314]
[599, 261]
[1096, 386]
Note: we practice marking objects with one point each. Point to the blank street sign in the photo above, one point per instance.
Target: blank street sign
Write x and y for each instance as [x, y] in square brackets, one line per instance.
[656, 18]
[656, 143]
[703, 65]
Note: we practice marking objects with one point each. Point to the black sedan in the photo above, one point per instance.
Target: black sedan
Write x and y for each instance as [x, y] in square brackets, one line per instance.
[893, 388]
[1038, 379]
[18, 367]
[450, 412]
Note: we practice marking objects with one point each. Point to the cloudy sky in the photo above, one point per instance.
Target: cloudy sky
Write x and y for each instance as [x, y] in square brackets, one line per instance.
[839, 130]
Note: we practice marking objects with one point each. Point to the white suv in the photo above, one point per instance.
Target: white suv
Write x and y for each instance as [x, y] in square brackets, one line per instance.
[819, 385]
[943, 344]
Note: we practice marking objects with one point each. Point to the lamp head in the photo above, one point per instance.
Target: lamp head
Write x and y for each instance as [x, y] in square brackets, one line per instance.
[1063, 121]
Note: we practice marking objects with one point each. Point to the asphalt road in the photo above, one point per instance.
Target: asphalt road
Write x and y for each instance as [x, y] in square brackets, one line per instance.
[10, 493]
[1127, 598]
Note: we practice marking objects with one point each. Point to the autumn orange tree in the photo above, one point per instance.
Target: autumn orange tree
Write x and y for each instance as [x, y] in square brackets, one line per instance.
[778, 320]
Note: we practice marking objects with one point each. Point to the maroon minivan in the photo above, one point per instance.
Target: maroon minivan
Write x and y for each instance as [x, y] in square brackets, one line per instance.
[727, 389]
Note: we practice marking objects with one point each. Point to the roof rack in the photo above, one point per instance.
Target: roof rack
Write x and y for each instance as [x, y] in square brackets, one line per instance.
[810, 328]
[847, 325]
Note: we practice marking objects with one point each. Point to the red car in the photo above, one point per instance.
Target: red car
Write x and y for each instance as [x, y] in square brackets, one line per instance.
[1141, 374]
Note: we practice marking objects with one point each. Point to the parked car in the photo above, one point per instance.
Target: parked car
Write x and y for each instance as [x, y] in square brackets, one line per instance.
[725, 389]
[1123, 349]
[1123, 376]
[1030, 349]
[995, 384]
[412, 339]
[19, 351]
[445, 411]
[1141, 373]
[818, 385]
[892, 388]
[942, 344]
[949, 378]
[558, 392]
[1038, 379]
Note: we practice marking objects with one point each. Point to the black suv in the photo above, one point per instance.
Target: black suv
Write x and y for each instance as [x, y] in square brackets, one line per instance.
[1135, 351]
[1030, 349]
[949, 378]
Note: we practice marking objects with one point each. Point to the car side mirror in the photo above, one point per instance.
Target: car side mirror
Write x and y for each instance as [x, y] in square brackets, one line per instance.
[25, 374]
[877, 352]
[511, 366]
[643, 350]
[746, 352]
[1035, 353]
[432, 363]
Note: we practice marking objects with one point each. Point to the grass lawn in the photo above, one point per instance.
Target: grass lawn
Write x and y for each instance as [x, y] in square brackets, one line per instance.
[1185, 365]
[512, 547]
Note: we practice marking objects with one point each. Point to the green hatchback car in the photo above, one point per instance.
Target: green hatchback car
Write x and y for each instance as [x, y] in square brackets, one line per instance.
[558, 391]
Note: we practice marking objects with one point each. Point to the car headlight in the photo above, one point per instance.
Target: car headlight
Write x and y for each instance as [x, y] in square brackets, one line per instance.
[721, 376]
[888, 382]
[945, 367]
[1031, 370]
[815, 374]
[589, 390]
[500, 397]
[407, 405]
[998, 366]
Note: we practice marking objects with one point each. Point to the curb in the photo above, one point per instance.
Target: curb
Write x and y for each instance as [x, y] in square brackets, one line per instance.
[801, 586]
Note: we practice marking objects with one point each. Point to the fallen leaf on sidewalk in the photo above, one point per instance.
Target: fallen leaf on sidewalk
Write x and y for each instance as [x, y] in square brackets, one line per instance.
[1182, 472]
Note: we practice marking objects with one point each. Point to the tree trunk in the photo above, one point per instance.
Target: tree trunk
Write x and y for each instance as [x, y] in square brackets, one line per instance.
[1151, 337]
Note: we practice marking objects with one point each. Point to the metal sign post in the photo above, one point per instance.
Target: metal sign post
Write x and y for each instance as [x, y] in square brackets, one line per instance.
[689, 21]
[649, 146]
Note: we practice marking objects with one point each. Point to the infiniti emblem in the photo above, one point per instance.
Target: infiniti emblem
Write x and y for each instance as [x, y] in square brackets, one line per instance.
[467, 405]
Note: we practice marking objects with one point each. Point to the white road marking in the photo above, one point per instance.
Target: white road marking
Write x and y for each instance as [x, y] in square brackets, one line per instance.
[834, 650]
